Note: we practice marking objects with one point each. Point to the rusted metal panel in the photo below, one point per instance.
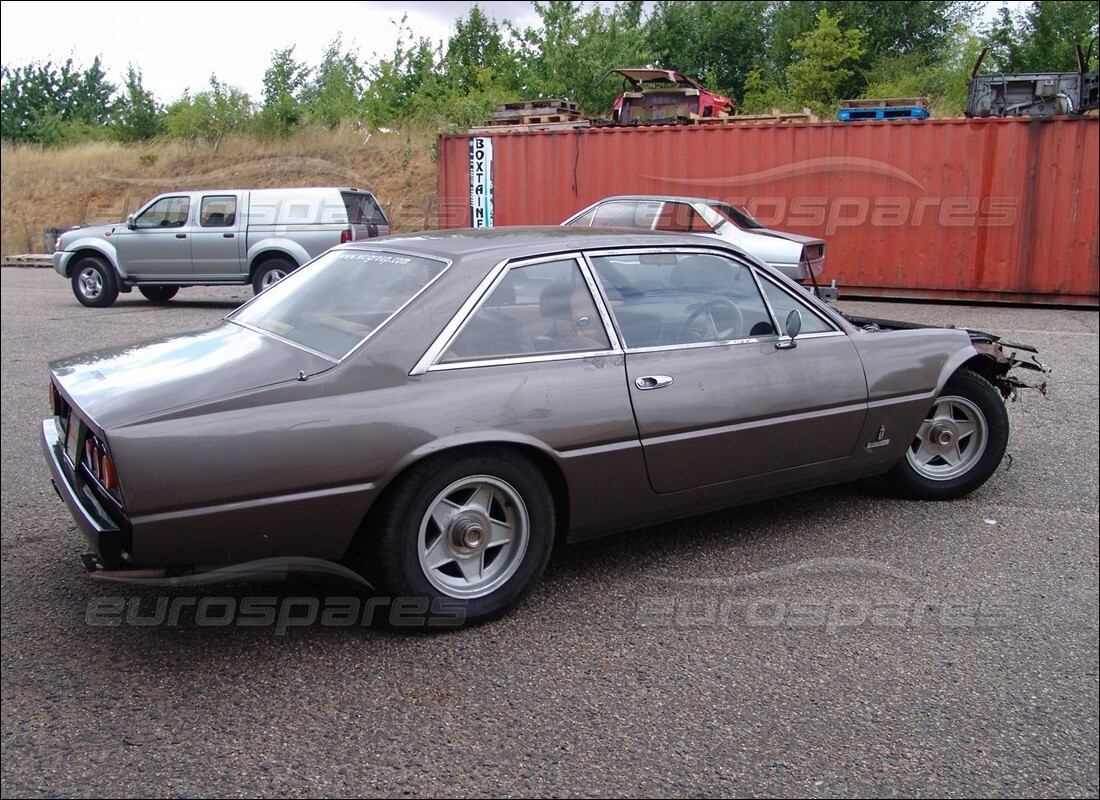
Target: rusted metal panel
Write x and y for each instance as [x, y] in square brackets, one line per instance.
[990, 209]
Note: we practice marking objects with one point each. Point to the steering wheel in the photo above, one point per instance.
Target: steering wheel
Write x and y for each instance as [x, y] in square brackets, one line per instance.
[725, 319]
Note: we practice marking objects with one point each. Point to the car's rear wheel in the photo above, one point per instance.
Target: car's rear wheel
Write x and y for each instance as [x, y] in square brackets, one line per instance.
[270, 272]
[159, 294]
[461, 541]
[959, 444]
[94, 282]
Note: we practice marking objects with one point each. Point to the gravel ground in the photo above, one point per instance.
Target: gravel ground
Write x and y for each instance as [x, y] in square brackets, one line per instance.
[839, 642]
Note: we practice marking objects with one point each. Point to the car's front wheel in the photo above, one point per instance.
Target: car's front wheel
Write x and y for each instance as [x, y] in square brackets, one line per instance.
[461, 541]
[959, 444]
[94, 282]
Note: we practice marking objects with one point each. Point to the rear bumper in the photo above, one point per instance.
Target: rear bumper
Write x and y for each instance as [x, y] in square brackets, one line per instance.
[98, 528]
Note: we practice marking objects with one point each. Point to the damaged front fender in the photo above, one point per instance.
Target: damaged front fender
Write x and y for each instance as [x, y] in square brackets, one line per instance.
[997, 359]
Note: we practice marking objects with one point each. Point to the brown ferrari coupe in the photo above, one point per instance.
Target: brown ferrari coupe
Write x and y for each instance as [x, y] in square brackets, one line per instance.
[438, 409]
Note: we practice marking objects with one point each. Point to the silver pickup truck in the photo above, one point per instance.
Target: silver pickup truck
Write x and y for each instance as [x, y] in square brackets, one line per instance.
[213, 238]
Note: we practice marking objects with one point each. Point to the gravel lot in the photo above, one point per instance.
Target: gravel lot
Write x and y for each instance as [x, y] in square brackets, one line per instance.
[839, 642]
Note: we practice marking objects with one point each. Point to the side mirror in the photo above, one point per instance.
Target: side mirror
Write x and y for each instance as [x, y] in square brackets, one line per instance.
[794, 327]
[130, 222]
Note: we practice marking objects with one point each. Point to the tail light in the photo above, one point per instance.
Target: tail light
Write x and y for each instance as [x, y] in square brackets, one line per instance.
[346, 235]
[99, 463]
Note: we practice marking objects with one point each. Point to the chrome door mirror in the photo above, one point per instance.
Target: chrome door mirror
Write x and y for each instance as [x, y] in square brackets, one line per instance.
[794, 327]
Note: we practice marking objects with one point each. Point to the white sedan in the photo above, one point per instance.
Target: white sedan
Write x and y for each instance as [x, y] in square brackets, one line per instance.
[801, 258]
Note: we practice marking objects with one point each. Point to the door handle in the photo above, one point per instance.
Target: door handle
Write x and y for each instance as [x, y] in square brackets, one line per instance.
[181, 235]
[653, 382]
[227, 236]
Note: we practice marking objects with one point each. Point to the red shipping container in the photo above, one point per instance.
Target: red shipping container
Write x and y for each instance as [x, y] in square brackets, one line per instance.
[993, 209]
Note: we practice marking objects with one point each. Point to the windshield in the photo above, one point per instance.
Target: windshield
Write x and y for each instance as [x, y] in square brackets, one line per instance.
[335, 303]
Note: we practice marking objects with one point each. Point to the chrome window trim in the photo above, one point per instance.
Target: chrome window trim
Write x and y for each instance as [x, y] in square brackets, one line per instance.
[439, 346]
[534, 358]
[430, 361]
[725, 342]
[806, 302]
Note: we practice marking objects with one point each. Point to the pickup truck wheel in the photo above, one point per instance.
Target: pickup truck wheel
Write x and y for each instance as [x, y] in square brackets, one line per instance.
[461, 541]
[271, 271]
[159, 294]
[94, 282]
[959, 445]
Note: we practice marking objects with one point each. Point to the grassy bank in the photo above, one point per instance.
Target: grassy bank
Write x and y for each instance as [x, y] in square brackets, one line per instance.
[104, 181]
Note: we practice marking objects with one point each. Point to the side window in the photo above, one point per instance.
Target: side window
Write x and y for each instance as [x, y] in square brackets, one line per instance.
[682, 217]
[783, 304]
[537, 309]
[662, 299]
[168, 212]
[218, 211]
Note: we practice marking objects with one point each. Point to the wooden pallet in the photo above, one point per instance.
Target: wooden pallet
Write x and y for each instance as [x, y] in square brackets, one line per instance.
[755, 119]
[545, 126]
[27, 260]
[532, 119]
[558, 104]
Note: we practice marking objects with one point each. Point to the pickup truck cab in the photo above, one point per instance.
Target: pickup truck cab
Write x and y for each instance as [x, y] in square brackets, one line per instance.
[213, 238]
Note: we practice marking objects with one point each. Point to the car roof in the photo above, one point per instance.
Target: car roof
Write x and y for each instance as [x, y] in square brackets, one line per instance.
[662, 198]
[521, 241]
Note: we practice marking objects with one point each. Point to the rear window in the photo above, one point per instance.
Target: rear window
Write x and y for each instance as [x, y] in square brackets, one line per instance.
[334, 304]
[739, 217]
[363, 209]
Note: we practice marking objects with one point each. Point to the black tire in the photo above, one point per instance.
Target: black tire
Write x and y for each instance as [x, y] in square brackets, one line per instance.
[959, 445]
[94, 282]
[271, 271]
[159, 294]
[499, 531]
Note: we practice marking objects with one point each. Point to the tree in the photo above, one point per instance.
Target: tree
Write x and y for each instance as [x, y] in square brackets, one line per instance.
[89, 99]
[50, 104]
[1042, 38]
[478, 56]
[828, 55]
[138, 115]
[336, 91]
[717, 43]
[210, 115]
[572, 50]
[284, 82]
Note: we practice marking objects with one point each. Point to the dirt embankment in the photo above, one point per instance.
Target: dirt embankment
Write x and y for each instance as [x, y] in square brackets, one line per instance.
[103, 182]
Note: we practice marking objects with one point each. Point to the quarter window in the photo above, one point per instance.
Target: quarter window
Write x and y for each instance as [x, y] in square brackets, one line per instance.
[537, 309]
[682, 217]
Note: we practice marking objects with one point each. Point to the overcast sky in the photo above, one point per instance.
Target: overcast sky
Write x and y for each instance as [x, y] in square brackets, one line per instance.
[177, 45]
